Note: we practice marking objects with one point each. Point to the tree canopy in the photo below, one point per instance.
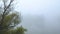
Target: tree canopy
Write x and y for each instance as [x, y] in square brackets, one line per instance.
[9, 19]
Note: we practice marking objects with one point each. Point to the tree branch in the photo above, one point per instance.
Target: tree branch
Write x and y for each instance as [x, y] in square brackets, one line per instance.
[5, 9]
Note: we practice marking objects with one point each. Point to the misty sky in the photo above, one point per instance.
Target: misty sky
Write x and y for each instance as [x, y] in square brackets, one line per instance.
[39, 14]
[38, 6]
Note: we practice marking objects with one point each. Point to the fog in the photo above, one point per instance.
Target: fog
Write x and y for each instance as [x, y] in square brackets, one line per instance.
[40, 16]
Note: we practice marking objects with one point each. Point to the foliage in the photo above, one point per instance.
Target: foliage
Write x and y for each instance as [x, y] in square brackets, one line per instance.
[18, 30]
[9, 19]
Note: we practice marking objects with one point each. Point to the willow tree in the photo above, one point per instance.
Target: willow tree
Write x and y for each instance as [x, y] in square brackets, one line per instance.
[9, 19]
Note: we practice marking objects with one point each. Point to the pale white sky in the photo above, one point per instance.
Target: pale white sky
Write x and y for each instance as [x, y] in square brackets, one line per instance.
[38, 6]
[50, 9]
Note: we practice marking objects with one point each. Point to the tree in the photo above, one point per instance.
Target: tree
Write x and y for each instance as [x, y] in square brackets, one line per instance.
[19, 30]
[9, 19]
